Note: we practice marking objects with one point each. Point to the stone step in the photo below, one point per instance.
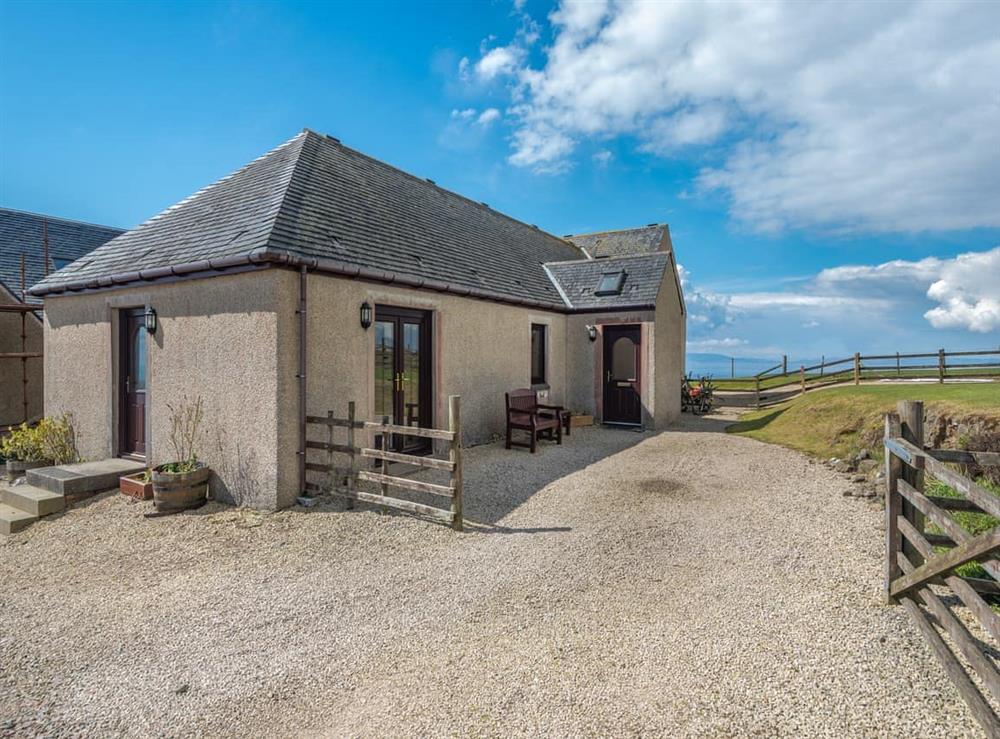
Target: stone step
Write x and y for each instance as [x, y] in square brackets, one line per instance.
[83, 477]
[32, 500]
[13, 520]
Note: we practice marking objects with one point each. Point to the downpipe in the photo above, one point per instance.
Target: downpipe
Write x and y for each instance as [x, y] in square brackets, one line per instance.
[301, 376]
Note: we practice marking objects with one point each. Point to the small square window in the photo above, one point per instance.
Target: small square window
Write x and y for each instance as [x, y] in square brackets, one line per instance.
[611, 283]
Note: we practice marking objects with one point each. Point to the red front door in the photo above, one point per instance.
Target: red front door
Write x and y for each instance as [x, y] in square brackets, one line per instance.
[133, 382]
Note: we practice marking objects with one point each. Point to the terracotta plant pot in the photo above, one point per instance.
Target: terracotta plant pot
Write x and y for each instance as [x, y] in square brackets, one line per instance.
[180, 491]
[16, 468]
[134, 487]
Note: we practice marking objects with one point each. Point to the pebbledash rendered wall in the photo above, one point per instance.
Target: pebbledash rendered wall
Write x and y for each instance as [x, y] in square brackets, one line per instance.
[216, 339]
[480, 350]
[234, 341]
[661, 357]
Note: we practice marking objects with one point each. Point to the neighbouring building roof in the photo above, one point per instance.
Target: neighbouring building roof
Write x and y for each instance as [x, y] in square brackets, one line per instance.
[646, 240]
[578, 281]
[316, 202]
[25, 233]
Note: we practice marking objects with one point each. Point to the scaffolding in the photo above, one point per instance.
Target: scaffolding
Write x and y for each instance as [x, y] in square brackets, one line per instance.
[24, 308]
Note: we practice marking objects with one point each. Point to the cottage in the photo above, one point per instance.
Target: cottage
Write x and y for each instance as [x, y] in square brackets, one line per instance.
[41, 244]
[317, 275]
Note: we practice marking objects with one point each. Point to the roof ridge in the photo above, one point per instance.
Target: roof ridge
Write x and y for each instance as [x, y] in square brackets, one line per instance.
[617, 230]
[426, 181]
[605, 260]
[231, 175]
[47, 217]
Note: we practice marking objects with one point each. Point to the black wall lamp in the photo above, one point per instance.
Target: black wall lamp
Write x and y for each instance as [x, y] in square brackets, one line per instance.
[150, 318]
[366, 315]
[592, 333]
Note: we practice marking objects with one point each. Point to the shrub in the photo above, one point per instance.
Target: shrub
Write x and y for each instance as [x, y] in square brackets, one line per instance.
[23, 444]
[185, 423]
[52, 440]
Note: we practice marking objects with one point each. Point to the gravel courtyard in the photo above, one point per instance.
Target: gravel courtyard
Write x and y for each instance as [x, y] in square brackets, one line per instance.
[687, 583]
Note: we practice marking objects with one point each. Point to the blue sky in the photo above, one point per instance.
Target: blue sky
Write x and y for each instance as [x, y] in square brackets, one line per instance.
[853, 141]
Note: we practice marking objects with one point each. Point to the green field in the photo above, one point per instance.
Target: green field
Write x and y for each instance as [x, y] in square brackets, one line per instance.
[835, 422]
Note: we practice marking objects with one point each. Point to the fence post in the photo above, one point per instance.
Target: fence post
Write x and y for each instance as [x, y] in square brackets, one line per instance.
[384, 467]
[784, 364]
[756, 391]
[898, 373]
[857, 368]
[330, 473]
[893, 539]
[352, 476]
[941, 366]
[911, 416]
[455, 426]
[802, 377]
[822, 365]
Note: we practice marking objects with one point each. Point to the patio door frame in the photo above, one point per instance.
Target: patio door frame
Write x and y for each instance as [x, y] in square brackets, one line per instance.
[401, 317]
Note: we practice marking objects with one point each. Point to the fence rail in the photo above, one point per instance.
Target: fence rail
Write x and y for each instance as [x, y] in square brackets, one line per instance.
[916, 558]
[867, 367]
[343, 481]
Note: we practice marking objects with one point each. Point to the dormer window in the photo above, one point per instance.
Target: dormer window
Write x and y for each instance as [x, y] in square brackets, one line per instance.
[611, 283]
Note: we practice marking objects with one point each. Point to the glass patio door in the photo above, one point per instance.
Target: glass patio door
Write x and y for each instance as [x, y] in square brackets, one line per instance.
[402, 372]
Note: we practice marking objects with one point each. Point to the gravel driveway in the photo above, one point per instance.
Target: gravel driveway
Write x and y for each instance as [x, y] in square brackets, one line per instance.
[683, 583]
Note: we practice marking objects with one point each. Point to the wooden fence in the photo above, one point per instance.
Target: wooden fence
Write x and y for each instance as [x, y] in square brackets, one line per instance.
[874, 367]
[916, 558]
[343, 481]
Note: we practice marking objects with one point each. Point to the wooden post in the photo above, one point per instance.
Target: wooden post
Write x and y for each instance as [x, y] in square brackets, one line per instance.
[331, 474]
[384, 467]
[455, 426]
[857, 368]
[352, 477]
[822, 365]
[784, 364]
[756, 392]
[802, 377]
[941, 366]
[911, 417]
[898, 371]
[732, 367]
[893, 539]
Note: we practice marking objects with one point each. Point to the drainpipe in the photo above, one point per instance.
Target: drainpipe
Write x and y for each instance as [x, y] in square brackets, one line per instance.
[302, 379]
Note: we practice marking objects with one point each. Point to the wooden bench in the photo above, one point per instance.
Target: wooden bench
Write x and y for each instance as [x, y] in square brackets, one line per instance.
[525, 413]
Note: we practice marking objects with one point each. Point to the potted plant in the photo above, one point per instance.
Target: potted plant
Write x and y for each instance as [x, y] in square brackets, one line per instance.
[138, 486]
[182, 484]
[51, 441]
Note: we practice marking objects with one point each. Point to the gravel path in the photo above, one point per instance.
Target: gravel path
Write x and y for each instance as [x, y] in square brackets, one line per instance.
[678, 584]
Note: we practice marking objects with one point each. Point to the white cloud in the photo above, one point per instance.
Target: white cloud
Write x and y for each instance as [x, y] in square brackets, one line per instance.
[602, 158]
[498, 61]
[864, 116]
[488, 116]
[711, 345]
[968, 290]
[463, 115]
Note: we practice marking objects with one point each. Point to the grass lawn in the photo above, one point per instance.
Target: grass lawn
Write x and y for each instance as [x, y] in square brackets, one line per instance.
[828, 423]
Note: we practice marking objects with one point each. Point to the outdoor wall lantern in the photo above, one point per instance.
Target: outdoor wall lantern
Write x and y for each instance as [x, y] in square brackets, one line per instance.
[150, 316]
[592, 332]
[366, 315]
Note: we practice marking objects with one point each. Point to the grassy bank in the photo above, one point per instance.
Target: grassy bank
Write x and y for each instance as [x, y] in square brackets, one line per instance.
[830, 423]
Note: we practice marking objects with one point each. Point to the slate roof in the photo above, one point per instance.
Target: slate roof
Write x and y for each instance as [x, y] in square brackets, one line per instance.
[23, 232]
[314, 201]
[578, 280]
[646, 240]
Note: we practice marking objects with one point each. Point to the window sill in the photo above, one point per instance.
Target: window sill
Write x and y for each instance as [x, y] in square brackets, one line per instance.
[541, 386]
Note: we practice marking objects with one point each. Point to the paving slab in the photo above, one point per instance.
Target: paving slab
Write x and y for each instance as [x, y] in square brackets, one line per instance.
[33, 500]
[83, 477]
[13, 520]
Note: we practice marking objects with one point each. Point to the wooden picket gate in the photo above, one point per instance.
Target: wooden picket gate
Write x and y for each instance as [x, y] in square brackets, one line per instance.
[917, 559]
[343, 481]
